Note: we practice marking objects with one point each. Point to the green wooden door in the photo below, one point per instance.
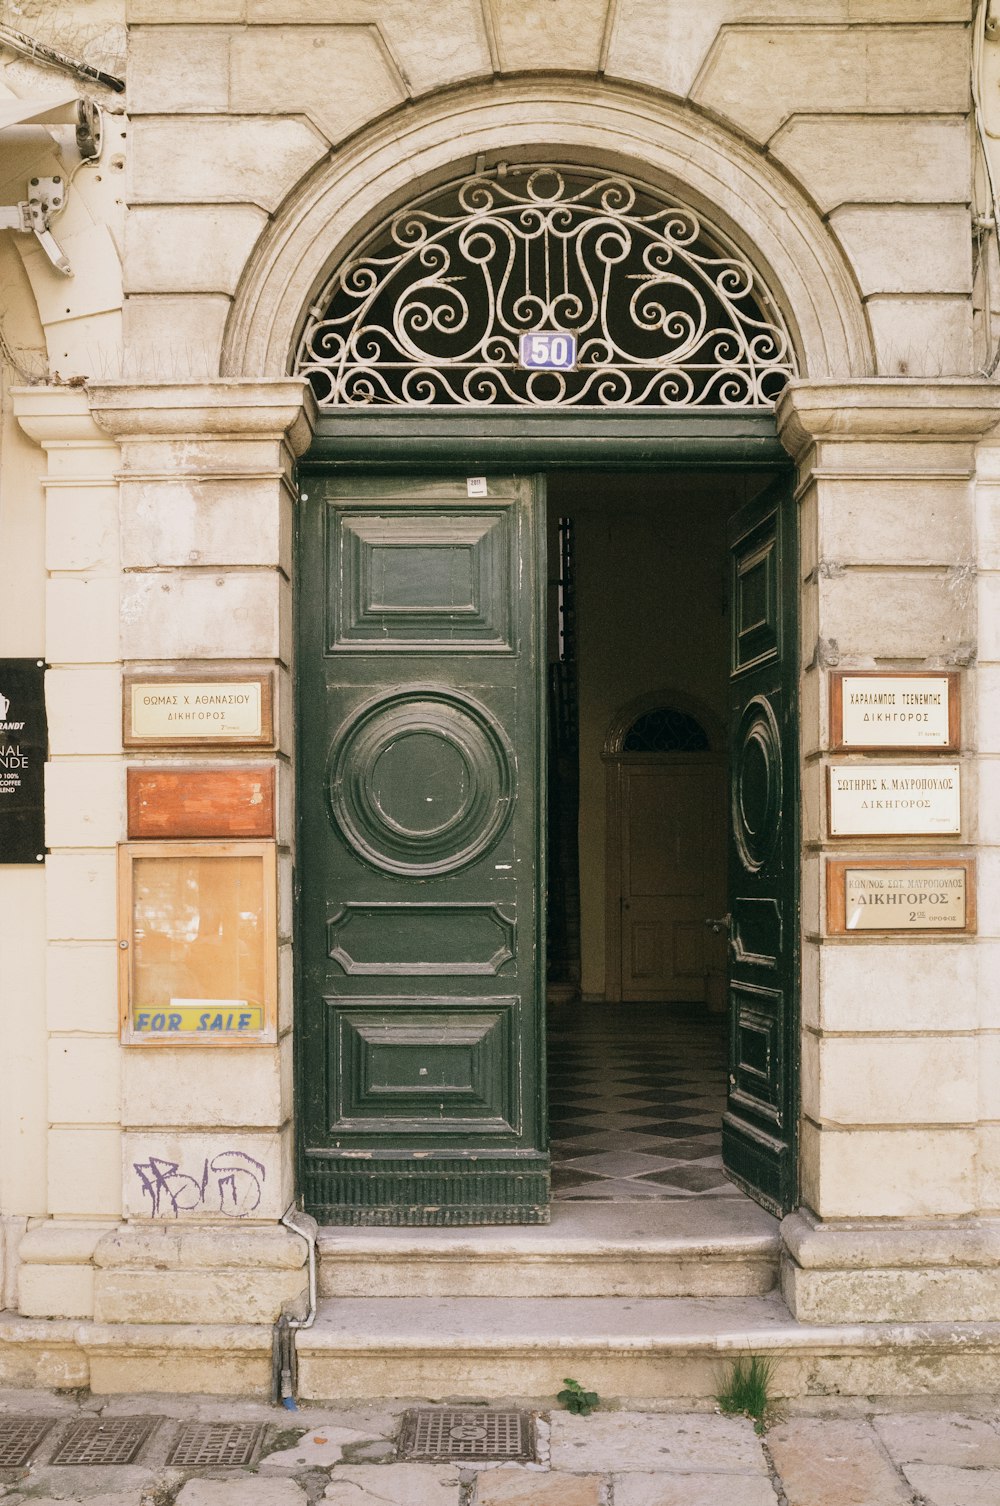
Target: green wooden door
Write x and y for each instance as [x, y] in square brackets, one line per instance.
[421, 1048]
[759, 1129]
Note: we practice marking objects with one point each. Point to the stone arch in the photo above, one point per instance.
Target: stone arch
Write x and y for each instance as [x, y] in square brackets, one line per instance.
[722, 178]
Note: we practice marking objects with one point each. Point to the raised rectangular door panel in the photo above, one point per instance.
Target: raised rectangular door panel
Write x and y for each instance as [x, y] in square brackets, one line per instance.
[402, 583]
[421, 865]
[398, 1065]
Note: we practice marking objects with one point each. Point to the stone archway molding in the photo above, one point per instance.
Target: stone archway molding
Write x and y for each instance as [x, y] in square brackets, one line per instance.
[726, 182]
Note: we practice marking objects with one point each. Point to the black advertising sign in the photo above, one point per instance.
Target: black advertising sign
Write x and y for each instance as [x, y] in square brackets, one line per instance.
[23, 751]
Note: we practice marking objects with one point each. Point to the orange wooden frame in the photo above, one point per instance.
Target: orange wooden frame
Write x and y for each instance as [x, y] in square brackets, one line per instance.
[836, 894]
[954, 681]
[130, 1002]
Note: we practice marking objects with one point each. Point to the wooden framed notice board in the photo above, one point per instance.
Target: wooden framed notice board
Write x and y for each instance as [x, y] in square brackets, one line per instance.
[198, 943]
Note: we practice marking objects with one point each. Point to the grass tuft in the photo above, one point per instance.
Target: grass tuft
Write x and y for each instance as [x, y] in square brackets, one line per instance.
[747, 1392]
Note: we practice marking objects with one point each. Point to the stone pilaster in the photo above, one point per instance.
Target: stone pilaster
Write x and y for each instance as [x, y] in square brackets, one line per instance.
[84, 820]
[206, 526]
[893, 1037]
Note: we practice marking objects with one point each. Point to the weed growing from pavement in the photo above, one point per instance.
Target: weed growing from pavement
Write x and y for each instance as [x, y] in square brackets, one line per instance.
[576, 1399]
[746, 1392]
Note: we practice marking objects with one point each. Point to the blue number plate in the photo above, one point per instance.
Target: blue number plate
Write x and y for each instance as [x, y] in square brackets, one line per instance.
[548, 351]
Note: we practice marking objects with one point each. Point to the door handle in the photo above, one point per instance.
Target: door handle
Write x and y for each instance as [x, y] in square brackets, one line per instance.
[723, 924]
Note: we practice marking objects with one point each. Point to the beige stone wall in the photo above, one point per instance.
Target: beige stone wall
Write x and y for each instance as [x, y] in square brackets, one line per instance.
[76, 1052]
[863, 106]
[895, 1034]
[22, 891]
[58, 533]
[832, 140]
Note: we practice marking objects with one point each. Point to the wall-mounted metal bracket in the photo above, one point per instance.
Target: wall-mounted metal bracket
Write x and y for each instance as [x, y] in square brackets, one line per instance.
[32, 216]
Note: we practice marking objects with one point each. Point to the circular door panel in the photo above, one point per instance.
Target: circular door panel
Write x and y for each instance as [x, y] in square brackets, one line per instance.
[421, 782]
[757, 785]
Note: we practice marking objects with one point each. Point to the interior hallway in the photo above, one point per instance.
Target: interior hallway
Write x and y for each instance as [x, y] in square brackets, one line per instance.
[637, 1093]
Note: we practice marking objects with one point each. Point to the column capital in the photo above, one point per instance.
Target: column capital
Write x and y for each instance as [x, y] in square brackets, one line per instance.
[221, 408]
[878, 410]
[57, 416]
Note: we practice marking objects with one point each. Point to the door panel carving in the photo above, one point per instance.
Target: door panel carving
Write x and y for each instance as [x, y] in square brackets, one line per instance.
[421, 810]
[421, 782]
[759, 1130]
[399, 583]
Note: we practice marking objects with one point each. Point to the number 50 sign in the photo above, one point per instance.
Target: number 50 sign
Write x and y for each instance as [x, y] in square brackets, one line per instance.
[548, 351]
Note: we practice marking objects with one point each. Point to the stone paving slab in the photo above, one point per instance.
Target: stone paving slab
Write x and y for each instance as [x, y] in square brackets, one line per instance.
[522, 1487]
[839, 1452]
[651, 1441]
[832, 1462]
[124, 1485]
[946, 1485]
[246, 1491]
[948, 1438]
[320, 1448]
[113, 1498]
[693, 1490]
[394, 1485]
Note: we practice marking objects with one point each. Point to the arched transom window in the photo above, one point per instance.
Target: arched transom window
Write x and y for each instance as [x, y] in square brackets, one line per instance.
[665, 730]
[431, 310]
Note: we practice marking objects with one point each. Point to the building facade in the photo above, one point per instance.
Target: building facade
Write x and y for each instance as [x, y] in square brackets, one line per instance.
[277, 483]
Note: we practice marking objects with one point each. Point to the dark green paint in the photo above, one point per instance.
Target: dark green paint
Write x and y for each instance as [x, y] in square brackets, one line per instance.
[558, 439]
[386, 1174]
[421, 860]
[759, 1129]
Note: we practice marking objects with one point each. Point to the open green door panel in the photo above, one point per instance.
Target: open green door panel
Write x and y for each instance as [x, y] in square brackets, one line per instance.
[759, 1129]
[421, 799]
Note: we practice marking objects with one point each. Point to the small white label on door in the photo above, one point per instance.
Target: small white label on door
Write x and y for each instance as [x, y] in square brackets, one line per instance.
[476, 486]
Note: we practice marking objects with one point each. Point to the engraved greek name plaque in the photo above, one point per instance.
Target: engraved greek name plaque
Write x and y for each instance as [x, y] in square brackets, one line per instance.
[925, 895]
[894, 799]
[234, 712]
[915, 711]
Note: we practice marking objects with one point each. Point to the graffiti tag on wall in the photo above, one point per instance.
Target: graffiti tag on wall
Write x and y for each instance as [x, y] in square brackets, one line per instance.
[231, 1183]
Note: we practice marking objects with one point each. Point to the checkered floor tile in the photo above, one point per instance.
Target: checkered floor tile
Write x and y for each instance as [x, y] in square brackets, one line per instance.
[636, 1094]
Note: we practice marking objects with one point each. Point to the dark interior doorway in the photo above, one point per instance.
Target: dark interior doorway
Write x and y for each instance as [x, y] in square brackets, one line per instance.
[638, 647]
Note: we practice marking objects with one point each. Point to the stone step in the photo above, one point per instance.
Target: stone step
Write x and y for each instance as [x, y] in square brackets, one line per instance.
[684, 1248]
[475, 1348]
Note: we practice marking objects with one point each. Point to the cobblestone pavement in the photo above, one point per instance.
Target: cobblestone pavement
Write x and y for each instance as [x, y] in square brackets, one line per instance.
[931, 1452]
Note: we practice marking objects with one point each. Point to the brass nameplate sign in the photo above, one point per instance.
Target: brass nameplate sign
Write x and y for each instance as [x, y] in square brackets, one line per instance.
[165, 712]
[871, 711]
[894, 799]
[922, 896]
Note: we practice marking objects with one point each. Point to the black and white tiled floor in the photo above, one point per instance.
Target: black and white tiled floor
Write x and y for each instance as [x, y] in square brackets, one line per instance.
[636, 1094]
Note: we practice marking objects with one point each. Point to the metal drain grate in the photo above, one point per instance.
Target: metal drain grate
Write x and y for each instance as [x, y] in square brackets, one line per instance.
[210, 1445]
[20, 1437]
[467, 1433]
[104, 1440]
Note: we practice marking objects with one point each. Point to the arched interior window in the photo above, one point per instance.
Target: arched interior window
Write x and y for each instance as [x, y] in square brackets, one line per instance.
[665, 730]
[431, 309]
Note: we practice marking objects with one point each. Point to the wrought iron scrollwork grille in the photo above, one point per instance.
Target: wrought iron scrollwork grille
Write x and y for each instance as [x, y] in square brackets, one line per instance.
[430, 310]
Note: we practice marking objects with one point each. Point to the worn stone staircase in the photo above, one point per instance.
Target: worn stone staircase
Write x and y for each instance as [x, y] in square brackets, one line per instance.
[635, 1300]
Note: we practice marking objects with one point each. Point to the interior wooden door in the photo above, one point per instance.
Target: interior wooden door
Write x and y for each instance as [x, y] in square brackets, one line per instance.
[672, 874]
[760, 1126]
[421, 862]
